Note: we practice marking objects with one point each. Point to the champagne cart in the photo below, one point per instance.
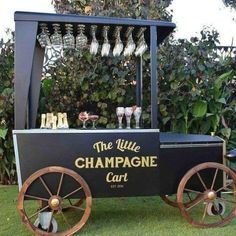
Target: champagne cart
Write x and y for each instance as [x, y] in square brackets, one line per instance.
[60, 170]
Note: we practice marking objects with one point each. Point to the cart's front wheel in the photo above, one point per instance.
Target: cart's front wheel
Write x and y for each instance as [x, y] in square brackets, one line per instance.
[56, 188]
[216, 204]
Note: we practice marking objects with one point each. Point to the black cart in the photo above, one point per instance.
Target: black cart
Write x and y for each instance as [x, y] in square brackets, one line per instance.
[59, 171]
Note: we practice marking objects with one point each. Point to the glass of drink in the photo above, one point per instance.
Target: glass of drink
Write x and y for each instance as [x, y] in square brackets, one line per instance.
[137, 114]
[128, 114]
[120, 111]
[83, 116]
[93, 118]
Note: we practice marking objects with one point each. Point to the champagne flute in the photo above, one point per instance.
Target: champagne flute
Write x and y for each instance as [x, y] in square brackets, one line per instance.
[105, 46]
[83, 116]
[142, 45]
[94, 44]
[120, 111]
[43, 37]
[81, 39]
[93, 118]
[130, 46]
[69, 39]
[118, 44]
[137, 114]
[128, 114]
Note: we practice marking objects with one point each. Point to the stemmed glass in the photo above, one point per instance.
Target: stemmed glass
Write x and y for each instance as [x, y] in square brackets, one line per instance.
[120, 111]
[93, 118]
[118, 45]
[94, 44]
[105, 46]
[81, 39]
[137, 114]
[43, 37]
[142, 45]
[69, 39]
[130, 46]
[56, 37]
[128, 114]
[83, 116]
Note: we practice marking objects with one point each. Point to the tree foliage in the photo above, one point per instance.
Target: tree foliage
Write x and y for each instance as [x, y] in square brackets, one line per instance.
[230, 3]
[7, 162]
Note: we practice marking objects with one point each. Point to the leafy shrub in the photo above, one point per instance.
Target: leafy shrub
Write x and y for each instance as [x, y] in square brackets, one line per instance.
[7, 162]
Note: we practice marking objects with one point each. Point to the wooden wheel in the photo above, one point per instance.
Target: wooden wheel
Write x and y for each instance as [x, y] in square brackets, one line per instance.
[216, 202]
[54, 187]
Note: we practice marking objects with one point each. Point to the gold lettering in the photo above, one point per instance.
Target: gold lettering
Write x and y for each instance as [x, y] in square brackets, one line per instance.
[126, 162]
[108, 177]
[79, 162]
[123, 145]
[153, 161]
[102, 146]
[135, 161]
[112, 178]
[89, 163]
[109, 162]
[99, 163]
[119, 160]
[145, 161]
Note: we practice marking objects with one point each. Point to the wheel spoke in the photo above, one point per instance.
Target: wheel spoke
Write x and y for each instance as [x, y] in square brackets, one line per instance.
[37, 198]
[60, 183]
[44, 184]
[72, 193]
[189, 196]
[204, 214]
[214, 179]
[200, 178]
[64, 218]
[196, 203]
[226, 200]
[38, 212]
[193, 191]
[224, 187]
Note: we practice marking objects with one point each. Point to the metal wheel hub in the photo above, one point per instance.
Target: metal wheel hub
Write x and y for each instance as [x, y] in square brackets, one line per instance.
[211, 195]
[55, 202]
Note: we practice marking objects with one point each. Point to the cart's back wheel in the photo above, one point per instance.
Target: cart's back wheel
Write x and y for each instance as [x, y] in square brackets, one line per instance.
[55, 187]
[207, 181]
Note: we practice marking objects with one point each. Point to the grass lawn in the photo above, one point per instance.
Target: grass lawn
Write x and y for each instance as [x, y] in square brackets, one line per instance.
[116, 217]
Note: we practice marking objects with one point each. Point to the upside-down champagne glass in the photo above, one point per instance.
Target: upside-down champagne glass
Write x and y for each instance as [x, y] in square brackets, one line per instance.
[43, 37]
[128, 114]
[69, 39]
[118, 44]
[142, 45]
[106, 45]
[81, 39]
[56, 37]
[120, 111]
[130, 46]
[94, 44]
